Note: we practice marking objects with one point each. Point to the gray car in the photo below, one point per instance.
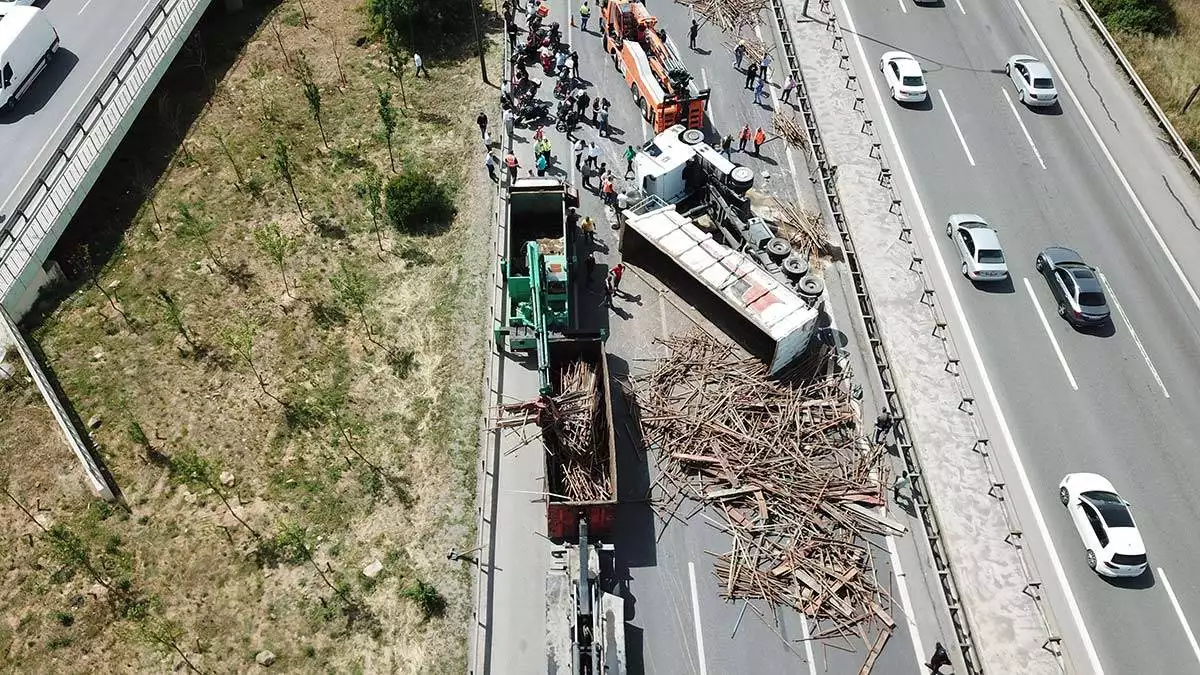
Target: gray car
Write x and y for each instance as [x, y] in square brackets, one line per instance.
[1075, 285]
[978, 247]
[1034, 83]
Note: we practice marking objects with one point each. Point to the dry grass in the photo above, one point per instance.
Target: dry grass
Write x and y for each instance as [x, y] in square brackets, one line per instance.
[178, 547]
[1170, 67]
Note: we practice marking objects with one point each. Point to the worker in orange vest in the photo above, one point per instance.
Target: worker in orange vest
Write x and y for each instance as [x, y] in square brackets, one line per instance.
[510, 161]
[760, 137]
[743, 138]
[609, 192]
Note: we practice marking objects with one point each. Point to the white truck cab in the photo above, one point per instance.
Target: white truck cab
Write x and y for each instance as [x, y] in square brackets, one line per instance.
[660, 168]
[27, 41]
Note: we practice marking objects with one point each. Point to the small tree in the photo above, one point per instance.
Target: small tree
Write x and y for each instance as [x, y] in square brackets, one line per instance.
[240, 340]
[337, 58]
[417, 203]
[370, 191]
[166, 635]
[295, 538]
[221, 141]
[279, 40]
[396, 60]
[427, 597]
[303, 12]
[312, 93]
[83, 260]
[191, 469]
[173, 313]
[277, 246]
[282, 162]
[354, 288]
[387, 117]
[199, 229]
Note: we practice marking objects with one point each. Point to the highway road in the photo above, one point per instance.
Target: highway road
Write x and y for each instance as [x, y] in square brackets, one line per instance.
[1121, 400]
[92, 33]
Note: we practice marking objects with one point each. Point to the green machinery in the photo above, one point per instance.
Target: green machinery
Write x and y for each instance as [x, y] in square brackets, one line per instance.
[539, 259]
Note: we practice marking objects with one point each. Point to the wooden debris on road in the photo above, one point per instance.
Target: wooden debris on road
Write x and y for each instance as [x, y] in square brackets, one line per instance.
[791, 130]
[567, 422]
[755, 50]
[805, 230]
[729, 15]
[785, 465]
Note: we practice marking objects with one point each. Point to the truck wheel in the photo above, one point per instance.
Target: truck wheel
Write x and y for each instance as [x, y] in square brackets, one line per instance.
[646, 111]
[795, 266]
[692, 137]
[741, 178]
[811, 287]
[778, 248]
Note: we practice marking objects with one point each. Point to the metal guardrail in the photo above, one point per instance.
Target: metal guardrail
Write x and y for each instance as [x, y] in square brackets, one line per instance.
[1181, 148]
[77, 160]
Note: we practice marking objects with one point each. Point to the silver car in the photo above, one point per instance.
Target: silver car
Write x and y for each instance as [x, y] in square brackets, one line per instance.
[1034, 83]
[978, 246]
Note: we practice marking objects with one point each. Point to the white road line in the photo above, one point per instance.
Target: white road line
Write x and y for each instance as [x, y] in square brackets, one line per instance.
[1050, 334]
[1132, 333]
[960, 7]
[1162, 244]
[1179, 612]
[85, 6]
[914, 634]
[977, 359]
[86, 91]
[696, 619]
[956, 129]
[808, 650]
[1025, 131]
[902, 7]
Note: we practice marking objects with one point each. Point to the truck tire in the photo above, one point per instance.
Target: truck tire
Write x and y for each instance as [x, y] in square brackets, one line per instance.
[692, 137]
[795, 267]
[811, 287]
[741, 178]
[778, 248]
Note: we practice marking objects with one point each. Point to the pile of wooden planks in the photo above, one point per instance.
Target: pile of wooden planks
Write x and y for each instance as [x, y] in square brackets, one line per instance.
[578, 462]
[789, 129]
[755, 49]
[804, 229]
[729, 15]
[784, 467]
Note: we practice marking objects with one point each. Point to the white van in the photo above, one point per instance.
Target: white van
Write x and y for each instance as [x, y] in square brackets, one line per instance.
[27, 41]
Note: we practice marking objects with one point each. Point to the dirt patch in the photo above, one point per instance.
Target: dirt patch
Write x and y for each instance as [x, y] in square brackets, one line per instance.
[270, 437]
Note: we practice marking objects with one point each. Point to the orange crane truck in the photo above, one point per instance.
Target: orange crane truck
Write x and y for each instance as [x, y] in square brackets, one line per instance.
[659, 81]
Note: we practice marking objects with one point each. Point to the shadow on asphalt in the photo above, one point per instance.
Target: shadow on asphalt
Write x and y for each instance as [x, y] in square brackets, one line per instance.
[996, 287]
[56, 72]
[1046, 110]
[1139, 583]
[1104, 330]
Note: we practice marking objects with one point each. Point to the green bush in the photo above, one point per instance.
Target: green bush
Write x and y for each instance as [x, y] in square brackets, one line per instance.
[417, 203]
[1137, 16]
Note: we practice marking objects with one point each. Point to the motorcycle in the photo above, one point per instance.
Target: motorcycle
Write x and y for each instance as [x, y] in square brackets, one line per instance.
[567, 118]
[531, 110]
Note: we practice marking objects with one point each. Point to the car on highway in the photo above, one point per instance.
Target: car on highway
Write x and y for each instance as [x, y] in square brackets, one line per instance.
[978, 247]
[1114, 545]
[1034, 83]
[904, 77]
[1075, 285]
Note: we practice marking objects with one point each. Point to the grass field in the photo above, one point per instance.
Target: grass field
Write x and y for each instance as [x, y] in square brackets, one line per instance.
[1170, 66]
[273, 429]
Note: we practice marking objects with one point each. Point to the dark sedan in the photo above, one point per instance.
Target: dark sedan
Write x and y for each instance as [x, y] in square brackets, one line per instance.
[1075, 285]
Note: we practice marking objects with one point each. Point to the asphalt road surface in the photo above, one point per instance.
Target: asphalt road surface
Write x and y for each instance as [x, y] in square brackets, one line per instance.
[92, 32]
[1119, 400]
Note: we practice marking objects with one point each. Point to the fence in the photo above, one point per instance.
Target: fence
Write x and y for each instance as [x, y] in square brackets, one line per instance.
[33, 227]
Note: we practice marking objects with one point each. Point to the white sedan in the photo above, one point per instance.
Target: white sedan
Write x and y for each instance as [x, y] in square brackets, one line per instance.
[978, 246]
[904, 77]
[1034, 83]
[1114, 545]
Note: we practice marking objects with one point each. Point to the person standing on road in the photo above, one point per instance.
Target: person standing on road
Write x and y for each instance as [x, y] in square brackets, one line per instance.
[764, 65]
[489, 160]
[593, 154]
[419, 65]
[539, 134]
[482, 121]
[760, 137]
[788, 86]
[751, 73]
[510, 161]
[692, 33]
[739, 53]
[585, 13]
[940, 658]
[883, 425]
[595, 109]
[630, 153]
[743, 137]
[614, 276]
[603, 122]
[760, 90]
[582, 102]
[588, 227]
[510, 121]
[578, 149]
[574, 64]
[727, 146]
[572, 217]
[541, 164]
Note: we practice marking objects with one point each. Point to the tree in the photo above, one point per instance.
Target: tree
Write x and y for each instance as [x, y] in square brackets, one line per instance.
[189, 468]
[277, 246]
[173, 313]
[282, 163]
[396, 60]
[229, 155]
[337, 58]
[83, 260]
[387, 117]
[417, 203]
[166, 635]
[427, 597]
[312, 93]
[240, 340]
[199, 229]
[370, 191]
[354, 288]
[295, 538]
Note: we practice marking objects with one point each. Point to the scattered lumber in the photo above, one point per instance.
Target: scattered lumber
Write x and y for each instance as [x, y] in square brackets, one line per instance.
[755, 49]
[578, 458]
[783, 466]
[729, 15]
[789, 129]
[804, 229]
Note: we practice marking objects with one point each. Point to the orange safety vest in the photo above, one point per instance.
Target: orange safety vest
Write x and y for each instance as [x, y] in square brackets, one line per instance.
[760, 137]
[745, 133]
[510, 161]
